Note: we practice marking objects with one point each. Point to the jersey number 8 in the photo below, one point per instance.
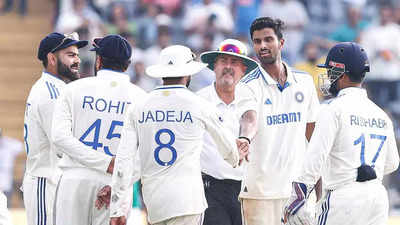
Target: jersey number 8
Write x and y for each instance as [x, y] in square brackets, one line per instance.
[165, 145]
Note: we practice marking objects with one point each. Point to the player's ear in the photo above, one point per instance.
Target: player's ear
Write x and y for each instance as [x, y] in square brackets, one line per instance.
[98, 63]
[281, 43]
[51, 59]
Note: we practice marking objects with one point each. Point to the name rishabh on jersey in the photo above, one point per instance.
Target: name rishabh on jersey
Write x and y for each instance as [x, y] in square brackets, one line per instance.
[41, 159]
[352, 131]
[97, 106]
[280, 143]
[169, 126]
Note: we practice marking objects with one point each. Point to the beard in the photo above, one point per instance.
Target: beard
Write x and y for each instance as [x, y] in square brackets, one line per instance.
[267, 59]
[333, 89]
[66, 71]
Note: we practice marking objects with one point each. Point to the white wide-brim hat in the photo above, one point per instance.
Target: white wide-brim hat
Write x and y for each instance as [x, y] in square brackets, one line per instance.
[229, 47]
[175, 61]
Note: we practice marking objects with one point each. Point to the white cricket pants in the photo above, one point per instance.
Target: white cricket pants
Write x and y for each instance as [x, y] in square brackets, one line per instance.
[358, 203]
[4, 213]
[39, 195]
[262, 211]
[76, 196]
[196, 219]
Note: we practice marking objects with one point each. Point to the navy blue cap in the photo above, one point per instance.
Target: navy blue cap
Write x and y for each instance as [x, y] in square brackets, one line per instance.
[56, 41]
[112, 47]
[347, 55]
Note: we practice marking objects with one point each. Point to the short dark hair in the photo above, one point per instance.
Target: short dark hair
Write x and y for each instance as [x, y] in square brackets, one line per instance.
[267, 22]
[172, 79]
[113, 64]
[45, 62]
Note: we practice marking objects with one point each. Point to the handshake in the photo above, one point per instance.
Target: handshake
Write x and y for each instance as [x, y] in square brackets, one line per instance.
[243, 145]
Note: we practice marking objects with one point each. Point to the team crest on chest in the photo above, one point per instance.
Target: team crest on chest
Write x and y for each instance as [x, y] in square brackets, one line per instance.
[299, 96]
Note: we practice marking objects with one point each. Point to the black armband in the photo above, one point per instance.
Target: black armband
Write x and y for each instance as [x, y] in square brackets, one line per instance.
[246, 138]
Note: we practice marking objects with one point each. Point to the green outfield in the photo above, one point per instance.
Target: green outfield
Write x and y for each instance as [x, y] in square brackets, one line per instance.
[19, 218]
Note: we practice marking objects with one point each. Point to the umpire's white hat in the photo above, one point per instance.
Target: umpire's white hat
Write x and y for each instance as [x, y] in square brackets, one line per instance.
[175, 61]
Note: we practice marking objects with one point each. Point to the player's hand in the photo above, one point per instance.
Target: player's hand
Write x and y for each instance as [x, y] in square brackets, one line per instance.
[110, 168]
[297, 200]
[118, 220]
[103, 197]
[244, 149]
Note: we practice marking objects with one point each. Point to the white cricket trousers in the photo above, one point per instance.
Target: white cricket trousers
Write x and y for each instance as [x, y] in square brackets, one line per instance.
[358, 203]
[76, 196]
[195, 219]
[39, 195]
[4, 213]
[262, 211]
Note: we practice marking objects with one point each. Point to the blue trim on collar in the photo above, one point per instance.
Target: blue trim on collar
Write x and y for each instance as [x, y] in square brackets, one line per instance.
[287, 84]
[171, 87]
[53, 75]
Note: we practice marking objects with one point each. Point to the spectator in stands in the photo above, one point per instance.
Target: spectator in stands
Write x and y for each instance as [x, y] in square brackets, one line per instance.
[147, 25]
[382, 43]
[295, 25]
[119, 21]
[350, 31]
[208, 16]
[8, 4]
[310, 61]
[244, 13]
[9, 149]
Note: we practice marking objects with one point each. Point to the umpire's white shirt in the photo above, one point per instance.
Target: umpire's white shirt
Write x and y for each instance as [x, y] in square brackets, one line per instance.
[349, 131]
[279, 146]
[41, 158]
[211, 160]
[168, 130]
[88, 119]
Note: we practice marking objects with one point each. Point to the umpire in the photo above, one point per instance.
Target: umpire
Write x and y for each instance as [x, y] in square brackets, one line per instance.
[221, 181]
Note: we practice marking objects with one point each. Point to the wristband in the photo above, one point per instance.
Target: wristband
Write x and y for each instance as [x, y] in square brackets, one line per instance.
[246, 138]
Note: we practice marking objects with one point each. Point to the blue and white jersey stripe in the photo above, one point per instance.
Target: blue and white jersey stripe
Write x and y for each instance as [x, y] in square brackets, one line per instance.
[252, 76]
[325, 209]
[53, 90]
[41, 201]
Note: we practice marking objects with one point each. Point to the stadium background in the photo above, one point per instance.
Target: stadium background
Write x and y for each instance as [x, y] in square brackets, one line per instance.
[152, 24]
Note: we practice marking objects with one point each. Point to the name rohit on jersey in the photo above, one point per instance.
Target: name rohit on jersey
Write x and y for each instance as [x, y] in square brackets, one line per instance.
[284, 118]
[102, 105]
[367, 122]
[166, 116]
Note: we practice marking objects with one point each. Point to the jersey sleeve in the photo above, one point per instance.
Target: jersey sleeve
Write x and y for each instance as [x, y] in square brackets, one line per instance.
[392, 156]
[246, 98]
[322, 140]
[63, 139]
[314, 105]
[223, 138]
[127, 168]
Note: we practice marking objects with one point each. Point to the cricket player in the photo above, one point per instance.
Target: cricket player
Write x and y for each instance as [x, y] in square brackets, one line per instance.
[222, 182]
[280, 104]
[4, 213]
[162, 142]
[60, 58]
[87, 125]
[353, 142]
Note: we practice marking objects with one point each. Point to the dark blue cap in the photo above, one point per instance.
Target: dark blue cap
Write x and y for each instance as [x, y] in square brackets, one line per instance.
[349, 55]
[56, 41]
[112, 47]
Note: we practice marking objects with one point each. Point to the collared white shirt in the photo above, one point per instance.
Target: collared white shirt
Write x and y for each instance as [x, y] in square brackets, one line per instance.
[211, 160]
[351, 130]
[166, 132]
[41, 158]
[88, 119]
[278, 148]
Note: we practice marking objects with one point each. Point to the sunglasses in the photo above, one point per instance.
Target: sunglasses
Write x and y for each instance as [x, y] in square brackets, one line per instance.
[72, 36]
[231, 48]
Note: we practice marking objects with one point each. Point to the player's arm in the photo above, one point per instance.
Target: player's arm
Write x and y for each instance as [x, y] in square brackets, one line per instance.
[127, 169]
[320, 145]
[63, 139]
[392, 156]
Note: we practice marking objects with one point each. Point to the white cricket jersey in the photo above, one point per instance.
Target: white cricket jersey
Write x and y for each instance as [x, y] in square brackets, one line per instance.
[88, 119]
[279, 146]
[351, 130]
[41, 157]
[211, 160]
[168, 128]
